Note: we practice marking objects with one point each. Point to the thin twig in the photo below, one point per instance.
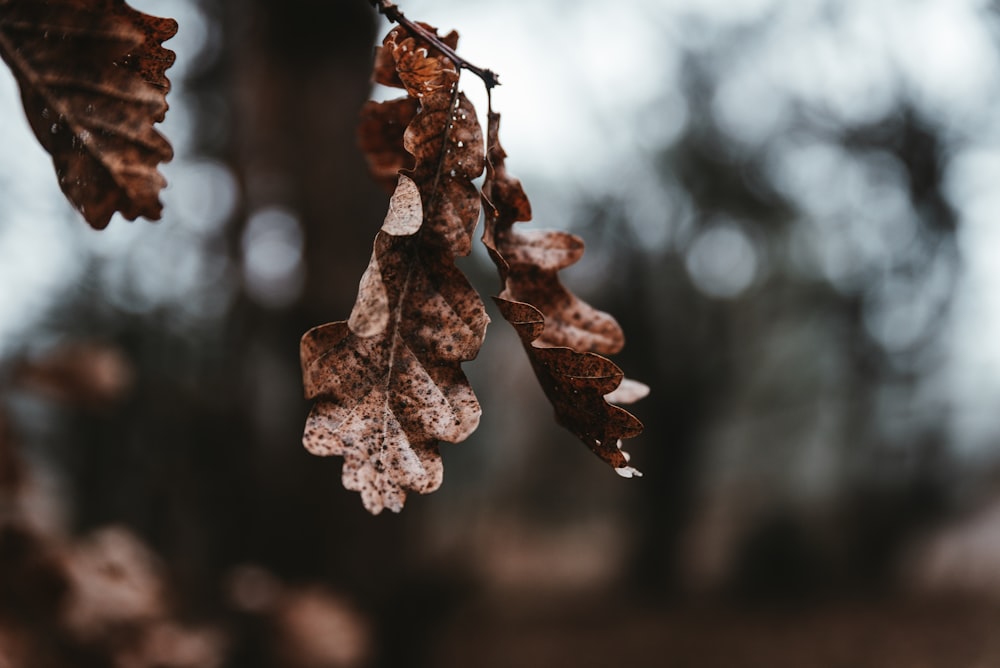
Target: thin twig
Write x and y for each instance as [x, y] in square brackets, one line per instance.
[391, 12]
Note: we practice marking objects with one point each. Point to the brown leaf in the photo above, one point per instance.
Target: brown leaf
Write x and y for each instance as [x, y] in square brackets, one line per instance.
[90, 375]
[92, 81]
[370, 314]
[116, 584]
[506, 200]
[388, 396]
[448, 146]
[406, 214]
[444, 138]
[380, 135]
[313, 628]
[389, 379]
[529, 263]
[534, 258]
[384, 70]
[560, 333]
[576, 384]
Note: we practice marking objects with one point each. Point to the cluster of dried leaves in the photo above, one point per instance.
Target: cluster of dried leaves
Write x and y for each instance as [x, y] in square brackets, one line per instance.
[91, 74]
[388, 380]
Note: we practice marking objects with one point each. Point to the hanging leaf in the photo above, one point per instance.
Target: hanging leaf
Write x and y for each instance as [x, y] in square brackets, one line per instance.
[385, 71]
[560, 333]
[380, 136]
[576, 385]
[388, 381]
[535, 258]
[391, 386]
[444, 139]
[448, 146]
[92, 81]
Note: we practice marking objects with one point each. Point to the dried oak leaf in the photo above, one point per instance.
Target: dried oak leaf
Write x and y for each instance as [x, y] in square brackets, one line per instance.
[448, 146]
[529, 263]
[380, 135]
[380, 132]
[560, 333]
[384, 70]
[389, 380]
[92, 81]
[441, 145]
[534, 258]
[576, 384]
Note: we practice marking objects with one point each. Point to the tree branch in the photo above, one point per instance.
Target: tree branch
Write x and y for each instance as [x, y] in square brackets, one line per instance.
[392, 12]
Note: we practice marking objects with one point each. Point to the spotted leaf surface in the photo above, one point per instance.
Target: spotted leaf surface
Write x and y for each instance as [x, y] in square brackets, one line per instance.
[387, 398]
[445, 139]
[93, 84]
[560, 333]
[576, 384]
[388, 381]
[535, 258]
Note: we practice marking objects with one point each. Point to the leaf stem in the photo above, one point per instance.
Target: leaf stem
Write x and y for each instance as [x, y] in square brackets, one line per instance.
[392, 12]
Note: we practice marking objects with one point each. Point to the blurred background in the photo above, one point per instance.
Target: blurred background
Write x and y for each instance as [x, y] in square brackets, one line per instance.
[790, 207]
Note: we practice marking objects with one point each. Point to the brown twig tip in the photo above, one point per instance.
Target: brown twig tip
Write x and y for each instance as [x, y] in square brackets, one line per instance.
[391, 11]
